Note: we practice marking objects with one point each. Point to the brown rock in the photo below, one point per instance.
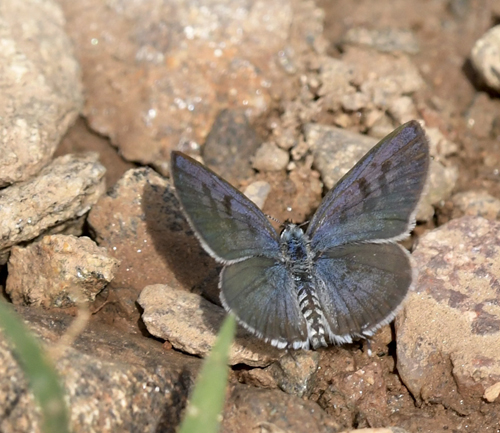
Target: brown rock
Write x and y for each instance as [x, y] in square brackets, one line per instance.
[41, 88]
[476, 203]
[66, 189]
[190, 323]
[115, 384]
[250, 409]
[360, 396]
[58, 271]
[449, 331]
[157, 74]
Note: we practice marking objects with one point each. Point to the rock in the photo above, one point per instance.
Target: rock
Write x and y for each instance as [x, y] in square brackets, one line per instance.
[258, 192]
[492, 392]
[191, 323]
[230, 145]
[383, 77]
[193, 61]
[365, 80]
[377, 430]
[485, 57]
[41, 88]
[251, 409]
[441, 147]
[360, 394]
[65, 189]
[403, 109]
[269, 157]
[337, 150]
[448, 333]
[59, 271]
[386, 40]
[439, 187]
[140, 223]
[476, 203]
[294, 373]
[337, 82]
[113, 382]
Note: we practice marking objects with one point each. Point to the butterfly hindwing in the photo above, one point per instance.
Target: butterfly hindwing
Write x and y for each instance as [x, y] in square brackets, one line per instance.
[261, 293]
[376, 200]
[229, 225]
[360, 287]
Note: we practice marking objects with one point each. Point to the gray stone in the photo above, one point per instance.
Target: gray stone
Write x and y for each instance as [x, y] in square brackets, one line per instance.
[269, 157]
[191, 323]
[258, 192]
[64, 190]
[485, 57]
[41, 87]
[230, 145]
[58, 271]
[387, 40]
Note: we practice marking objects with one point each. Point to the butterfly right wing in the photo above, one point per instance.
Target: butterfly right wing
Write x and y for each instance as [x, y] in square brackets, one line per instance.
[261, 293]
[229, 226]
[361, 287]
[376, 200]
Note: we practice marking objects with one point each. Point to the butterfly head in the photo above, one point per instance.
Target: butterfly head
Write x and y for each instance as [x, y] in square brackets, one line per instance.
[290, 232]
[294, 242]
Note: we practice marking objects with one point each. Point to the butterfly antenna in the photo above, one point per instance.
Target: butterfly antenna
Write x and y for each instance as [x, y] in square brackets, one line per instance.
[274, 219]
[304, 223]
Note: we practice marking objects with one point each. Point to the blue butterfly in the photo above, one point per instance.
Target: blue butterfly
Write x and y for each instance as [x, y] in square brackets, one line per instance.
[344, 277]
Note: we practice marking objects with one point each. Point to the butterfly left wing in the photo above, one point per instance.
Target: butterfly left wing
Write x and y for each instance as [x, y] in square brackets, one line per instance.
[229, 226]
[261, 293]
[360, 287]
[376, 199]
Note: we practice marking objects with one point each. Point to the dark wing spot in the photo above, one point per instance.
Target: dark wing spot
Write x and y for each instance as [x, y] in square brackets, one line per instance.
[364, 187]
[227, 204]
[386, 166]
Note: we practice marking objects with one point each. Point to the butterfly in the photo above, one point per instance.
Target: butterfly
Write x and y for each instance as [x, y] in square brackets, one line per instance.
[341, 279]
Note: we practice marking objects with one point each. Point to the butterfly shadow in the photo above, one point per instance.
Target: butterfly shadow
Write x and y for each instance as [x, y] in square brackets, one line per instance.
[184, 263]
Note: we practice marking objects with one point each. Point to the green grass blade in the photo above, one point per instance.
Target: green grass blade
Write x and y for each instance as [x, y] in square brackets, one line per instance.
[41, 375]
[207, 401]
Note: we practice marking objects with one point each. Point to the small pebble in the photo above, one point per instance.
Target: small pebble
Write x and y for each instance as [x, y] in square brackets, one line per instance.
[270, 157]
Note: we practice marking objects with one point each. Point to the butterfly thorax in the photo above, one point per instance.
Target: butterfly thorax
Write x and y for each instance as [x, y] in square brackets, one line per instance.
[296, 252]
[298, 258]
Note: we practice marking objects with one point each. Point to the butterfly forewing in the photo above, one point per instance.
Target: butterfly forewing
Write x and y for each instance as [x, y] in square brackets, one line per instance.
[260, 291]
[229, 226]
[376, 199]
[360, 287]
